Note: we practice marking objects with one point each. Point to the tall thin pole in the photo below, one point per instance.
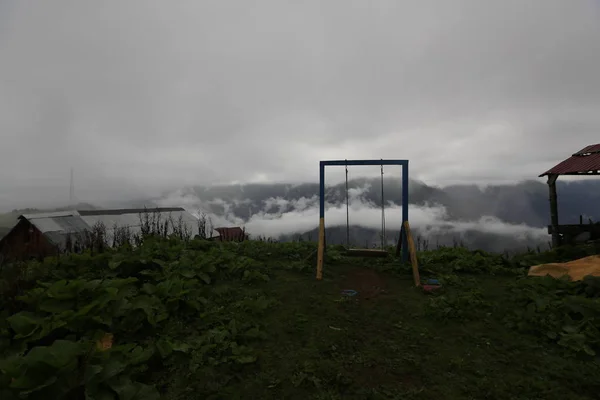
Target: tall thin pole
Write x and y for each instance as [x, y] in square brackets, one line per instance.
[553, 210]
[405, 201]
[347, 210]
[321, 248]
[72, 190]
[382, 212]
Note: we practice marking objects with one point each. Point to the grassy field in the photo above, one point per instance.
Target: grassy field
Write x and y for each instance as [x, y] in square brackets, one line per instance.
[249, 321]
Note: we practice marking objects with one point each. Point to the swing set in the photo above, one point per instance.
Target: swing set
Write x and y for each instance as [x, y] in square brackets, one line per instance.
[405, 237]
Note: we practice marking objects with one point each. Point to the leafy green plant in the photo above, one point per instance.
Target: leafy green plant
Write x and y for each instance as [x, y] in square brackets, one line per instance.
[563, 311]
[194, 316]
[68, 369]
[460, 260]
[462, 305]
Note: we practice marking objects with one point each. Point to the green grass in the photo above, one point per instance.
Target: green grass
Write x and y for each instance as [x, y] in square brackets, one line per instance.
[268, 330]
[323, 346]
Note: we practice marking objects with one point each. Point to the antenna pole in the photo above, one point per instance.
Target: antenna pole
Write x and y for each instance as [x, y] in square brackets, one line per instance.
[72, 190]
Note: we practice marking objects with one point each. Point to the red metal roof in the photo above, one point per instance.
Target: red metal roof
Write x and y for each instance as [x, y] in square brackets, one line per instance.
[583, 162]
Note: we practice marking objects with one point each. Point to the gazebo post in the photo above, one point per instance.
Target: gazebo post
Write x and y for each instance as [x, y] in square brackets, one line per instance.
[583, 163]
[553, 209]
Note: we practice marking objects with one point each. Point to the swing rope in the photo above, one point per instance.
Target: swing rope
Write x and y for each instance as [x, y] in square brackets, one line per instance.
[383, 241]
[347, 210]
[383, 237]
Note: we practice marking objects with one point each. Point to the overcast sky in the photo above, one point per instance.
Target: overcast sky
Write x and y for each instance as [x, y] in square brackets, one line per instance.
[143, 95]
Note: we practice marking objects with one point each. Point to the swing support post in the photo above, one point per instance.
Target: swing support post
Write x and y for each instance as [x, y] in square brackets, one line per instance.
[346, 163]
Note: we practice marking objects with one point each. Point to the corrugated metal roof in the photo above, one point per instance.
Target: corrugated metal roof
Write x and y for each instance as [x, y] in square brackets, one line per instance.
[130, 211]
[49, 215]
[593, 148]
[57, 226]
[585, 161]
[68, 224]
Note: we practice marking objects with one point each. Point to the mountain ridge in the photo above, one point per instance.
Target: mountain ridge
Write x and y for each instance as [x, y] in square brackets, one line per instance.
[521, 204]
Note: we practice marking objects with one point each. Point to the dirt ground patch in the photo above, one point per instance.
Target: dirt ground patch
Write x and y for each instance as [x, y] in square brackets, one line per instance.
[365, 281]
[377, 375]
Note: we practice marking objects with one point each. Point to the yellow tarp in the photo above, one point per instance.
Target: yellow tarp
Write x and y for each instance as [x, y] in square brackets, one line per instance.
[576, 269]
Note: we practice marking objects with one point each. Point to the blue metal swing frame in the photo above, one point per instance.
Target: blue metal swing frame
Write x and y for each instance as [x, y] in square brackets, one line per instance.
[343, 163]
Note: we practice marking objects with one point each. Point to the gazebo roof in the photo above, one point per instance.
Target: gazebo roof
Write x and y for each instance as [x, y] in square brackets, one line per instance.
[585, 162]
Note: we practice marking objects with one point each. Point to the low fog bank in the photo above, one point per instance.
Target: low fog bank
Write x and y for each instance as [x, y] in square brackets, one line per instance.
[492, 217]
[287, 217]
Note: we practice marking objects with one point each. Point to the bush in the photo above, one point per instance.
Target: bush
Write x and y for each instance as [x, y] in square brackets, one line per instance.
[563, 311]
[158, 303]
[457, 259]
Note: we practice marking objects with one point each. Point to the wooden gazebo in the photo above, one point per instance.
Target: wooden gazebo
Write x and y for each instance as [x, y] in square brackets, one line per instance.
[585, 162]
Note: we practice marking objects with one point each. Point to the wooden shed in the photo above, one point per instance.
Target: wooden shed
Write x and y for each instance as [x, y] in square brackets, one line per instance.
[44, 234]
[232, 234]
[25, 241]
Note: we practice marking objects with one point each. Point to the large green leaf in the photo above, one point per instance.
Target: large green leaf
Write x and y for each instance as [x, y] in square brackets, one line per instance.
[128, 390]
[204, 277]
[112, 367]
[151, 307]
[91, 372]
[164, 347]
[181, 347]
[58, 355]
[28, 383]
[25, 323]
[11, 366]
[119, 283]
[43, 365]
[93, 284]
[114, 264]
[56, 306]
[148, 288]
[65, 290]
[140, 355]
[187, 273]
[52, 323]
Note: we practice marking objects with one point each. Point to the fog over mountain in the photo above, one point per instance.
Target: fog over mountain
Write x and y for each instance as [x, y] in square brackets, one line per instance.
[495, 217]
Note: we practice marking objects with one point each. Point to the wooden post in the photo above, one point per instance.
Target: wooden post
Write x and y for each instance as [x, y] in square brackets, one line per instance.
[553, 209]
[413, 254]
[321, 249]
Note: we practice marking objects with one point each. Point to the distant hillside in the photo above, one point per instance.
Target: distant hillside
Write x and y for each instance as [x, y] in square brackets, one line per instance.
[524, 203]
[521, 204]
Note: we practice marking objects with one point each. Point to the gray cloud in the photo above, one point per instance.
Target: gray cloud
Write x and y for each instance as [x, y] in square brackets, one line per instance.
[141, 96]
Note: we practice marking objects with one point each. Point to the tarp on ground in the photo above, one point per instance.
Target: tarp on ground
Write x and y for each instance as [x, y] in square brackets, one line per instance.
[576, 269]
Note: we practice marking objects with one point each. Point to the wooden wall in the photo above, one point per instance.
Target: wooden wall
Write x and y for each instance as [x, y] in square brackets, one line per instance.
[25, 242]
